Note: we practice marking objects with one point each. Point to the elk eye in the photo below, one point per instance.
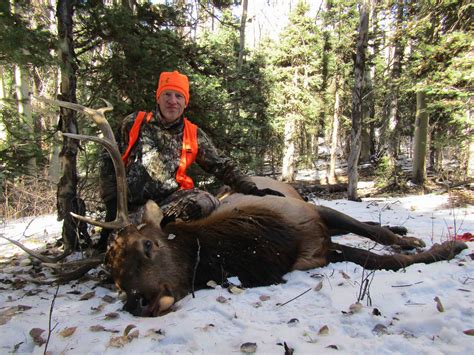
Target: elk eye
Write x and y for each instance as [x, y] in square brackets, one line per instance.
[147, 246]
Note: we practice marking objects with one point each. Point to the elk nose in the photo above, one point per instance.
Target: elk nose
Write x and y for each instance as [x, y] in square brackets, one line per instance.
[147, 247]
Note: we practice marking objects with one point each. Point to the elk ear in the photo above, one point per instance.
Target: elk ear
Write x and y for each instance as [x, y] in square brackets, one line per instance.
[152, 214]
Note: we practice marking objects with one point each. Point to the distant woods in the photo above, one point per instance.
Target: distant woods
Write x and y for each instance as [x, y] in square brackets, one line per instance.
[345, 83]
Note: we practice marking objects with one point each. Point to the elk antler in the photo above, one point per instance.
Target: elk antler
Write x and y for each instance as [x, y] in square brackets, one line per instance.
[98, 115]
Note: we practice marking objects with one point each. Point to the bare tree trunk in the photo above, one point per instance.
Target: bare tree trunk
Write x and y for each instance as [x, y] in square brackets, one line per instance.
[22, 91]
[420, 140]
[390, 134]
[2, 87]
[357, 98]
[470, 161]
[67, 199]
[3, 133]
[243, 21]
[314, 151]
[334, 133]
[288, 169]
[470, 151]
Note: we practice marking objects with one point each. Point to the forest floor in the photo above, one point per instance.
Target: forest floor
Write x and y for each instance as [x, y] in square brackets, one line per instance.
[423, 309]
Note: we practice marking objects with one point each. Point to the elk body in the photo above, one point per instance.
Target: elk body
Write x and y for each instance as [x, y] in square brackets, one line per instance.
[257, 239]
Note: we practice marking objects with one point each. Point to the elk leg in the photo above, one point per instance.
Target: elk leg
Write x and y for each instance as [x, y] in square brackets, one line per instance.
[337, 221]
[372, 261]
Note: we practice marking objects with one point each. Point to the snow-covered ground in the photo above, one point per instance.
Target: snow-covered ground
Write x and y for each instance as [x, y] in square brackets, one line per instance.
[402, 316]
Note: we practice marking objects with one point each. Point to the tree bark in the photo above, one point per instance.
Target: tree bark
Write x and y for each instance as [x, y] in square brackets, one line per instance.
[420, 140]
[24, 108]
[67, 199]
[288, 168]
[334, 133]
[390, 135]
[243, 21]
[357, 100]
[3, 134]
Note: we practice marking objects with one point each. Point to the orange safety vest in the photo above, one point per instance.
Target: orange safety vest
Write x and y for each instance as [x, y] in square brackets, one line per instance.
[188, 151]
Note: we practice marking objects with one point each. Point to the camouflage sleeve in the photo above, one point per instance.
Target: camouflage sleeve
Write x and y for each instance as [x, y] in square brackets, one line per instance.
[215, 162]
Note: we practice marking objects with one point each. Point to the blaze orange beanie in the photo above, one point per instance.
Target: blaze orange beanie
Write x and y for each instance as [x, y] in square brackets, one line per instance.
[173, 81]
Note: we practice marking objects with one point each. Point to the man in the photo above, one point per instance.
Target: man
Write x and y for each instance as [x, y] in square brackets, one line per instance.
[158, 148]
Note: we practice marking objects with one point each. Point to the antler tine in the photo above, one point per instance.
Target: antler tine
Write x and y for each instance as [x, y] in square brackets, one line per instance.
[121, 219]
[36, 255]
[98, 115]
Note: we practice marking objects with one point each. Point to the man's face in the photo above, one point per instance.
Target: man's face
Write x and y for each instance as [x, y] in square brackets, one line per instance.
[172, 105]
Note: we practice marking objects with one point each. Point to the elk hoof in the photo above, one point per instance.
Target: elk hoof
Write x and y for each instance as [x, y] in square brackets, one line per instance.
[408, 243]
[449, 249]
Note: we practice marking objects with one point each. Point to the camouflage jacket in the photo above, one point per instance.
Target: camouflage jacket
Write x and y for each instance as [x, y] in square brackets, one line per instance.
[154, 160]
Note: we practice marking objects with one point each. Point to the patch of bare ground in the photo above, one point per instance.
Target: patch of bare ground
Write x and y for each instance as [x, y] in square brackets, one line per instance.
[461, 193]
[460, 198]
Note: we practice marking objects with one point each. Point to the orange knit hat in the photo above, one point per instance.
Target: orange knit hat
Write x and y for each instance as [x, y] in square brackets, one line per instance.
[173, 81]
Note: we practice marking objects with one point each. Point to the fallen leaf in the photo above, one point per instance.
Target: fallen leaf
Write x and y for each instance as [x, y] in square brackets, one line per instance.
[97, 328]
[212, 283]
[100, 328]
[67, 332]
[469, 332]
[33, 292]
[155, 334]
[112, 315]
[439, 305]
[128, 329]
[376, 312]
[98, 309]
[221, 299]
[25, 262]
[264, 298]
[324, 330]
[356, 307]
[10, 312]
[134, 334]
[344, 275]
[293, 321]
[332, 347]
[109, 299]
[15, 348]
[248, 348]
[119, 342]
[235, 290]
[207, 327]
[380, 329]
[319, 286]
[35, 333]
[87, 296]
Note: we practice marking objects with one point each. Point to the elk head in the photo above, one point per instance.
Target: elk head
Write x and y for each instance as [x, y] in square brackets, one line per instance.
[146, 267]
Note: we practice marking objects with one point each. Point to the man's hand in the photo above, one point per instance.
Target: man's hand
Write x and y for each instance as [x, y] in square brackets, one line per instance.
[248, 187]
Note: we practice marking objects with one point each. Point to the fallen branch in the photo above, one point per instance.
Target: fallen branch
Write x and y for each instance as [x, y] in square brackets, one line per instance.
[408, 285]
[50, 330]
[301, 294]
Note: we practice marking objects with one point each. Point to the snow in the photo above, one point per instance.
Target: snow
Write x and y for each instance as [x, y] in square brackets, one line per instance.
[403, 317]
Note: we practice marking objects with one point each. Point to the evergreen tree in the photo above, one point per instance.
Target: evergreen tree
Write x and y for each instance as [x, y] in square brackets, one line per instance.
[295, 72]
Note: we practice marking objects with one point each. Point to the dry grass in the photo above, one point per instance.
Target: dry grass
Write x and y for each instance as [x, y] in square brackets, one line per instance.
[27, 196]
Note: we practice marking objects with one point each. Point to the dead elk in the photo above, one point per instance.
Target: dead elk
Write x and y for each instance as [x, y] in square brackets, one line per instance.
[257, 239]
